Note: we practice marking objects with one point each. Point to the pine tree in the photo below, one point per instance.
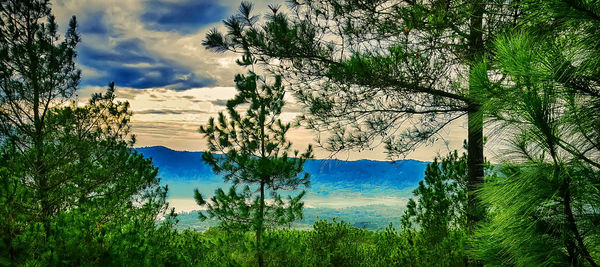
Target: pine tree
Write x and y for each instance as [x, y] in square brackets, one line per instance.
[380, 71]
[36, 72]
[95, 176]
[441, 199]
[544, 208]
[254, 156]
[59, 157]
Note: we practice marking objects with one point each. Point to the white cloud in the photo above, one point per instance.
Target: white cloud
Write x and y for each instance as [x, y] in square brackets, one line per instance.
[171, 118]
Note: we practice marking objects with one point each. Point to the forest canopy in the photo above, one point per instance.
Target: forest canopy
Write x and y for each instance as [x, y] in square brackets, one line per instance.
[368, 73]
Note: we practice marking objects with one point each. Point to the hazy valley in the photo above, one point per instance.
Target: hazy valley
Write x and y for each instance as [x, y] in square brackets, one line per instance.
[363, 193]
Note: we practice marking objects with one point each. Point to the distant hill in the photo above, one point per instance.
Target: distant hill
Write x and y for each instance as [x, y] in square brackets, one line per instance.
[334, 183]
[177, 165]
[185, 165]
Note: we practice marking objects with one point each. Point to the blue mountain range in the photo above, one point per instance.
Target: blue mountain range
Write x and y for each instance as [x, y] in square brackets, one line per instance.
[183, 171]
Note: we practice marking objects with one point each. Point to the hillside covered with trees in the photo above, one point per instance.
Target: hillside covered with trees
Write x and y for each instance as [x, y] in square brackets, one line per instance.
[526, 73]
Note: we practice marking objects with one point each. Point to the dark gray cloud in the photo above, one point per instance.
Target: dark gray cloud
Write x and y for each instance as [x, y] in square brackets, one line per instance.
[93, 23]
[130, 64]
[185, 16]
[171, 111]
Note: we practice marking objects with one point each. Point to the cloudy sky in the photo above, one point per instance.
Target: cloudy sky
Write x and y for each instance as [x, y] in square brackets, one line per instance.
[152, 50]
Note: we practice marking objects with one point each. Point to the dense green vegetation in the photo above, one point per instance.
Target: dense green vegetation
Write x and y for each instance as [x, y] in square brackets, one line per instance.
[329, 243]
[255, 155]
[74, 192]
[544, 208]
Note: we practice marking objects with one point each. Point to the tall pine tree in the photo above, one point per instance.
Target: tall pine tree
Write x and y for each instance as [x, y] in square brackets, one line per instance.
[544, 209]
[37, 71]
[441, 199]
[58, 157]
[254, 155]
[380, 71]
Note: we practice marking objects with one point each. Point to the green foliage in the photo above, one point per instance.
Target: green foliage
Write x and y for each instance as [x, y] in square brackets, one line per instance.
[379, 72]
[436, 220]
[373, 71]
[329, 243]
[544, 208]
[255, 156]
[254, 152]
[527, 225]
[102, 186]
[73, 191]
[442, 198]
[338, 244]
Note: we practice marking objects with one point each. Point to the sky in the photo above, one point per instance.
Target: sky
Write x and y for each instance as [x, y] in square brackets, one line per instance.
[152, 50]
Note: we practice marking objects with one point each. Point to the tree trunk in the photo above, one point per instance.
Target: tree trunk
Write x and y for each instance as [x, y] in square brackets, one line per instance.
[475, 166]
[475, 158]
[475, 120]
[572, 225]
[259, 230]
[263, 180]
[39, 168]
